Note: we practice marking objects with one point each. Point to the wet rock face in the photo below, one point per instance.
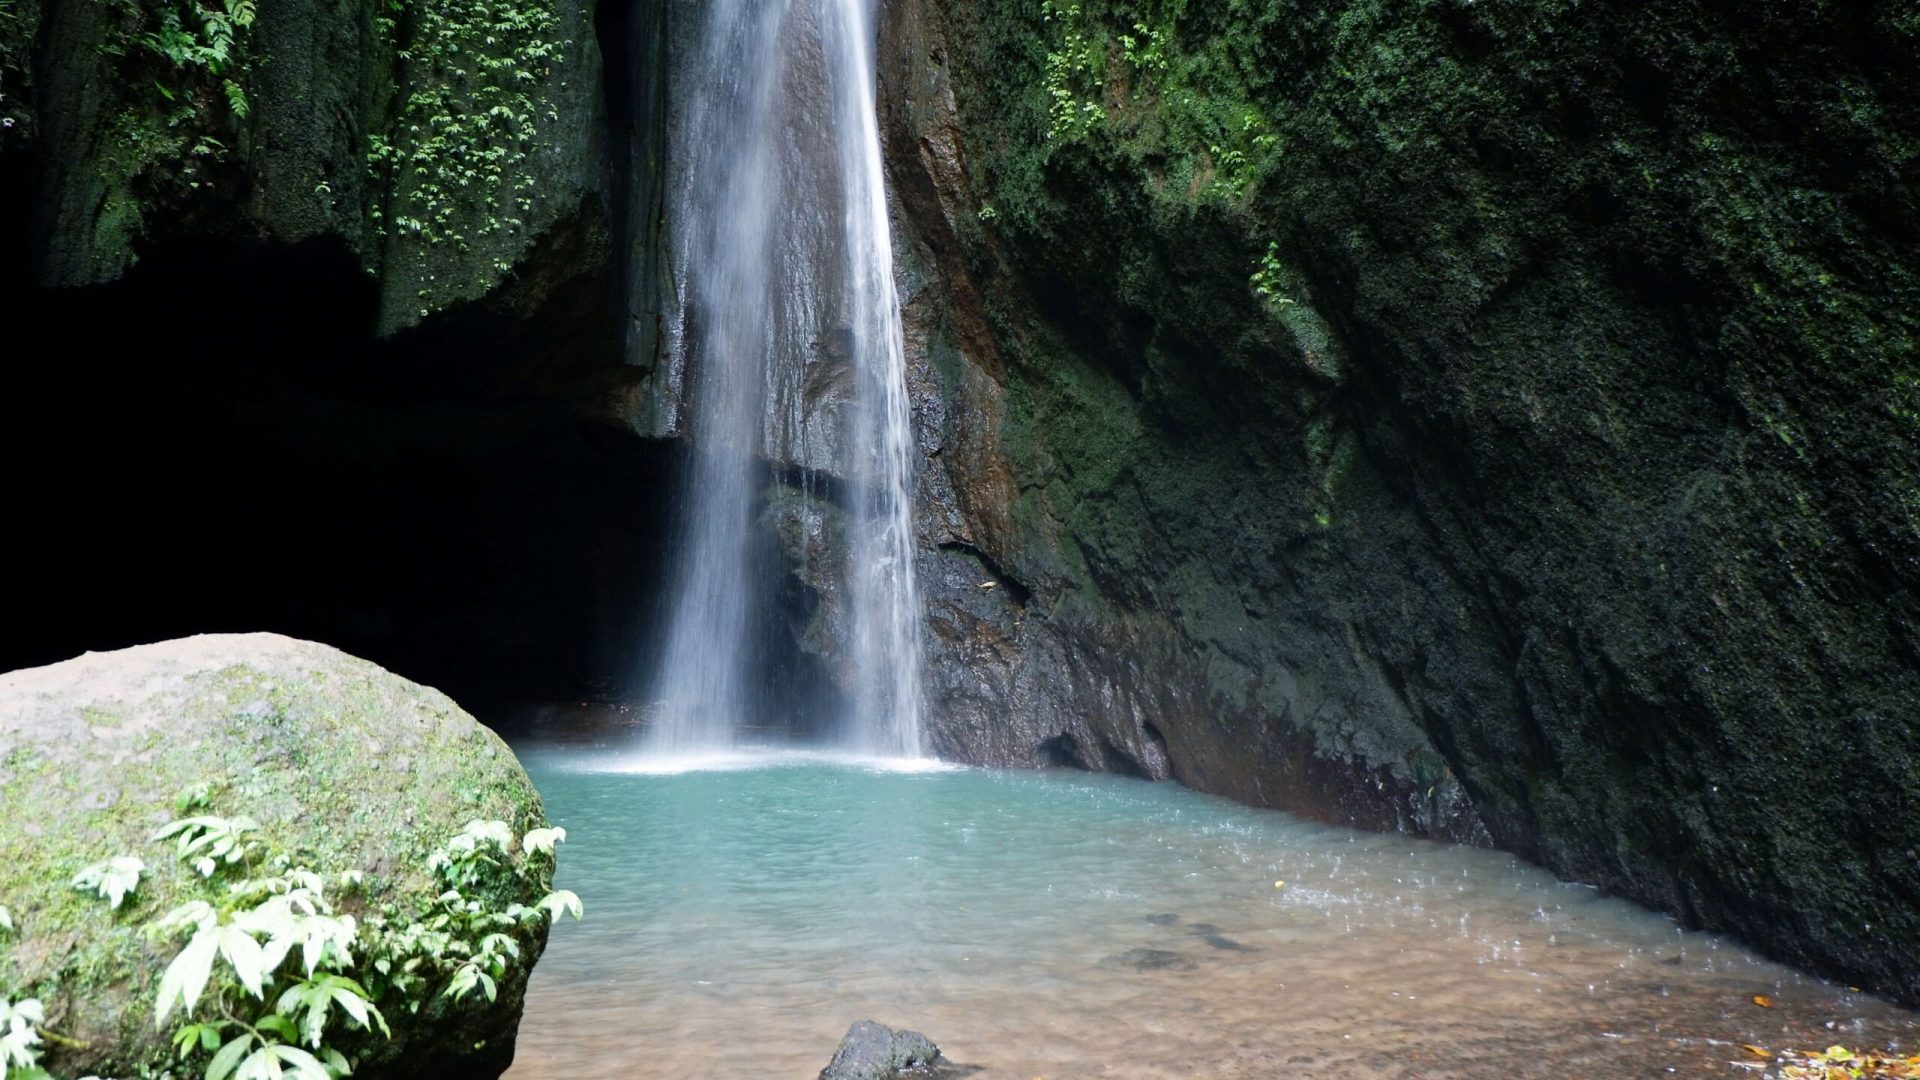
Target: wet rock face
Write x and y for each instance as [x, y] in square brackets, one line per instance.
[320, 130]
[1098, 572]
[1522, 450]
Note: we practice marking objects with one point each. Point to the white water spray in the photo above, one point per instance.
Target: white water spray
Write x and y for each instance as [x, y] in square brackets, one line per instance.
[788, 327]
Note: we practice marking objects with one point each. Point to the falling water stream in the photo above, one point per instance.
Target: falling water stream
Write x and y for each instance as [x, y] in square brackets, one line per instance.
[788, 328]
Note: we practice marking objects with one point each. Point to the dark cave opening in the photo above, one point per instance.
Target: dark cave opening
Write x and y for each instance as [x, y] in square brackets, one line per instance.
[219, 442]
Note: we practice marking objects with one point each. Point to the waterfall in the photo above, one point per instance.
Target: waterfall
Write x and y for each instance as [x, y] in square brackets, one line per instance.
[786, 327]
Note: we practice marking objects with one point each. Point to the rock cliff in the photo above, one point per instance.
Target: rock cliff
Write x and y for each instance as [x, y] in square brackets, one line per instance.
[1496, 421]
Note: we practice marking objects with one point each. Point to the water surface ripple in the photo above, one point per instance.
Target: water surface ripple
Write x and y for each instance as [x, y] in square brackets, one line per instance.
[742, 912]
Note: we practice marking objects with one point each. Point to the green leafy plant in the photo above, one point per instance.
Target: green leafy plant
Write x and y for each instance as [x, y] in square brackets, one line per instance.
[1269, 277]
[280, 972]
[1154, 83]
[1073, 74]
[209, 842]
[467, 942]
[191, 36]
[17, 29]
[460, 154]
[20, 1037]
[114, 880]
[1145, 48]
[275, 980]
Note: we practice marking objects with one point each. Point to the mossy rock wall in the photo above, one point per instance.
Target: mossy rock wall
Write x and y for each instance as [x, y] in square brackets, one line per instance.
[344, 765]
[1516, 397]
[445, 143]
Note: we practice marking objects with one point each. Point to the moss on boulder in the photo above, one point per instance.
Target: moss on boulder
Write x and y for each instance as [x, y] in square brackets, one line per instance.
[344, 765]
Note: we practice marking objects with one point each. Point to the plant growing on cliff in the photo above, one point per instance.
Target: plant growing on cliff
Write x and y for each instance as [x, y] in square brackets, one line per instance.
[177, 99]
[1269, 277]
[204, 38]
[1162, 84]
[198, 45]
[1073, 74]
[13, 66]
[20, 1037]
[459, 157]
[112, 880]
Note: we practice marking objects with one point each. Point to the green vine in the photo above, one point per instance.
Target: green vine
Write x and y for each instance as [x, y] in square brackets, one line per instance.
[1269, 278]
[196, 39]
[1075, 70]
[180, 72]
[17, 29]
[1140, 75]
[198, 64]
[458, 161]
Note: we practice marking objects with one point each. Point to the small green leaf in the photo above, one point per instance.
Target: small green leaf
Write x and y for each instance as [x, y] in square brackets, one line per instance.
[246, 957]
[114, 880]
[186, 977]
[195, 796]
[542, 840]
[561, 901]
[305, 1065]
[228, 1058]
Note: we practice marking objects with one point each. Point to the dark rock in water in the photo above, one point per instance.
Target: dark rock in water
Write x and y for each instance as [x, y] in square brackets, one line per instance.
[1227, 943]
[1148, 960]
[1201, 929]
[873, 1051]
[1165, 918]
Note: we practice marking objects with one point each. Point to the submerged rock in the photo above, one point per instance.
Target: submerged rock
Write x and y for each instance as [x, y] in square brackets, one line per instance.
[872, 1051]
[350, 766]
[1148, 960]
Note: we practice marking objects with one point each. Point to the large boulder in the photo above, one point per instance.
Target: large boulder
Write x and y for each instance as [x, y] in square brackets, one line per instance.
[344, 765]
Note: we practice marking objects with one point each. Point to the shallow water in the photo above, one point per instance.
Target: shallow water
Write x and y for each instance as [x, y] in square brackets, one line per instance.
[742, 912]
